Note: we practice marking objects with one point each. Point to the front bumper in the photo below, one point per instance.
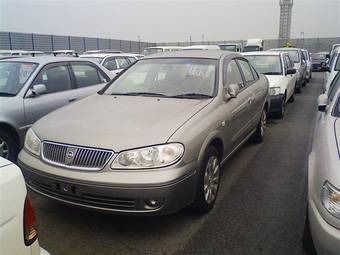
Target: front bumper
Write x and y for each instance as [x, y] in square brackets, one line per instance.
[170, 197]
[276, 103]
[326, 238]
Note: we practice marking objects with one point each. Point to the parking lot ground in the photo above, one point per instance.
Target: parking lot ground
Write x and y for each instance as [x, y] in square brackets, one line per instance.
[260, 208]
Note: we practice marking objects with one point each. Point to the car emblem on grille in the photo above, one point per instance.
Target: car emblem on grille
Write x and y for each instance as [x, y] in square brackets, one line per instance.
[70, 153]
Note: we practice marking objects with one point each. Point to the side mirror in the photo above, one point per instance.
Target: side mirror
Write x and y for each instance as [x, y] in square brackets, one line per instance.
[291, 71]
[233, 90]
[328, 56]
[38, 89]
[322, 102]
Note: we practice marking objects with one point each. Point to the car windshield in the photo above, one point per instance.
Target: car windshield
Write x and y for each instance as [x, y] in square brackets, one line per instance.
[13, 76]
[94, 59]
[149, 51]
[172, 77]
[318, 56]
[270, 65]
[228, 47]
[251, 48]
[294, 55]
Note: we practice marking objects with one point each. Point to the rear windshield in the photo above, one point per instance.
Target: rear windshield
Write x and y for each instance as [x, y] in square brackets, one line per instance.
[251, 48]
[228, 47]
[168, 77]
[268, 65]
[319, 56]
[149, 51]
[13, 76]
[94, 59]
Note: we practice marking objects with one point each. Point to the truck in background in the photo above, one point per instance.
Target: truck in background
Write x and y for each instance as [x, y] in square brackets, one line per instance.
[253, 45]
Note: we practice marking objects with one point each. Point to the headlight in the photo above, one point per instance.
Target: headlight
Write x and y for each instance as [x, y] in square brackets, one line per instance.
[331, 199]
[274, 91]
[149, 157]
[32, 142]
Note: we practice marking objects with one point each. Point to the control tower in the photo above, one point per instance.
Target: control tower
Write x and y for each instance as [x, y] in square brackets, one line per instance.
[285, 20]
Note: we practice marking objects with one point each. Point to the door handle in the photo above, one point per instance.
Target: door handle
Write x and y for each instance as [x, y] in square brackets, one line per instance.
[72, 99]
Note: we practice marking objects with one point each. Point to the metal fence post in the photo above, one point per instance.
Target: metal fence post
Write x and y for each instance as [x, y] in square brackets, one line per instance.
[32, 39]
[120, 44]
[97, 43]
[84, 42]
[69, 42]
[10, 40]
[52, 43]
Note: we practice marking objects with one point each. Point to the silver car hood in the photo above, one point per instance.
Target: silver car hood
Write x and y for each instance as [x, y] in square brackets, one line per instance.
[117, 122]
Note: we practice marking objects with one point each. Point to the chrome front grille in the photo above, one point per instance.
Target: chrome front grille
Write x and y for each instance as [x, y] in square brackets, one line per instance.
[75, 157]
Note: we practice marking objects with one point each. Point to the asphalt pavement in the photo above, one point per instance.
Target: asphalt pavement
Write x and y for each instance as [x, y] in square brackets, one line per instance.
[260, 208]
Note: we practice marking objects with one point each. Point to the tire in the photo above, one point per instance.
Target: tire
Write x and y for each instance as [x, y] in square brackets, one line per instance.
[207, 180]
[283, 108]
[8, 148]
[258, 136]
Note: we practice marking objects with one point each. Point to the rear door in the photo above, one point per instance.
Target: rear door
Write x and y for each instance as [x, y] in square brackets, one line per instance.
[60, 91]
[88, 78]
[290, 79]
[257, 92]
[236, 109]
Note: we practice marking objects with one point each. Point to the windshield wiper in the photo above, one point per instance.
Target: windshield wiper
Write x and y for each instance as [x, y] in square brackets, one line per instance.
[272, 73]
[6, 94]
[192, 95]
[140, 94]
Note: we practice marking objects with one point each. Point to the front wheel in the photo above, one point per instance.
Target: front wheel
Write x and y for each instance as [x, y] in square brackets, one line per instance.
[208, 182]
[8, 149]
[258, 136]
[281, 113]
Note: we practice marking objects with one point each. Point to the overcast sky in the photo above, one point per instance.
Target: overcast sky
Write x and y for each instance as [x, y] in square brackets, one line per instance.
[169, 21]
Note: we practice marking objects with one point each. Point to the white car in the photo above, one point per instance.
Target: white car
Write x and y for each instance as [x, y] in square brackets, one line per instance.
[18, 229]
[281, 74]
[308, 59]
[334, 68]
[114, 62]
[202, 47]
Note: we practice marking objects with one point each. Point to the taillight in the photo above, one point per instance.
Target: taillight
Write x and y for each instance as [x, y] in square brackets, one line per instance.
[30, 224]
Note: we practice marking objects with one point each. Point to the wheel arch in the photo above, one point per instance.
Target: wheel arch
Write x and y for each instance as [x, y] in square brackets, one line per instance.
[10, 129]
[214, 139]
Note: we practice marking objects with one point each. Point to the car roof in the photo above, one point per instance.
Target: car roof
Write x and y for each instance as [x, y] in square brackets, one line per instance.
[262, 53]
[103, 55]
[42, 60]
[212, 54]
[284, 49]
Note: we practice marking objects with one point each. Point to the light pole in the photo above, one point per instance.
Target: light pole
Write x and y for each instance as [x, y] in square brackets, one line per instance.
[139, 44]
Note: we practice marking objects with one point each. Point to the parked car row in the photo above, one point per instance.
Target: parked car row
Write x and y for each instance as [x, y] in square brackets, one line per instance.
[153, 139]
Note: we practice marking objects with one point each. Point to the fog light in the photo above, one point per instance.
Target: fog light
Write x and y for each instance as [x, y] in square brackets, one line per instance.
[153, 203]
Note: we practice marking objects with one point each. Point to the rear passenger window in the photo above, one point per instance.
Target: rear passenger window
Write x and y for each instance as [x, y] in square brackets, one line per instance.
[248, 75]
[334, 87]
[110, 64]
[86, 75]
[132, 60]
[232, 74]
[122, 62]
[55, 78]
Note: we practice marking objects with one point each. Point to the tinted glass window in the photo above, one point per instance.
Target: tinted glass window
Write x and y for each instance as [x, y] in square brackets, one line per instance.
[122, 62]
[228, 47]
[132, 60]
[337, 108]
[168, 77]
[13, 76]
[337, 65]
[55, 78]
[110, 64]
[85, 75]
[248, 75]
[232, 74]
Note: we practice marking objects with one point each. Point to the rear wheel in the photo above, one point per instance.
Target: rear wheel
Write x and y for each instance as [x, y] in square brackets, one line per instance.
[258, 136]
[292, 97]
[8, 149]
[208, 182]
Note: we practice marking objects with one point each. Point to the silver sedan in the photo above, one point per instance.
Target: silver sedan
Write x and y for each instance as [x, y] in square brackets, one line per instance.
[324, 175]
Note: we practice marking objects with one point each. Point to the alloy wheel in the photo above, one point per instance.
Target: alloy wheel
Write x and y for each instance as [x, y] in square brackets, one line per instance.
[263, 122]
[211, 179]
